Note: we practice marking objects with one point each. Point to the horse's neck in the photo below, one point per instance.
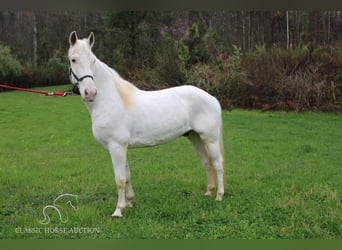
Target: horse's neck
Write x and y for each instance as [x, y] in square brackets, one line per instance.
[112, 89]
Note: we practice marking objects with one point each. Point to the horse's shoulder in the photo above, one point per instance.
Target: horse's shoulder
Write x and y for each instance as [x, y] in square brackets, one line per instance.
[126, 91]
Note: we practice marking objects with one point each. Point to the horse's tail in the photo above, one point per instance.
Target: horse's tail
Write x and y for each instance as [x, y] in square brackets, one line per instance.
[222, 154]
[221, 143]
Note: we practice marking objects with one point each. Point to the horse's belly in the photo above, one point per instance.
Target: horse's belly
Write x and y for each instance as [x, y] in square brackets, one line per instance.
[159, 128]
[153, 139]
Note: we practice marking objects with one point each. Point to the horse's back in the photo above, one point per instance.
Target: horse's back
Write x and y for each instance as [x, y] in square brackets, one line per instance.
[191, 95]
[198, 98]
[204, 110]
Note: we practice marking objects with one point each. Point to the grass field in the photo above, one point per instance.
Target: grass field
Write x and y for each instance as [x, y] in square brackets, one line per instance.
[283, 173]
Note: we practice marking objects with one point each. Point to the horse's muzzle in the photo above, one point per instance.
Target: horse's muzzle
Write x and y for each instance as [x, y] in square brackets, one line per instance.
[89, 96]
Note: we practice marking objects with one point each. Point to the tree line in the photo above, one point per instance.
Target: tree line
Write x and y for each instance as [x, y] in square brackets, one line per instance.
[219, 51]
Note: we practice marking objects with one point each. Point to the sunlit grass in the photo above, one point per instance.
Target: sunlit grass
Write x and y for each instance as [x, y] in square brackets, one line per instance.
[283, 174]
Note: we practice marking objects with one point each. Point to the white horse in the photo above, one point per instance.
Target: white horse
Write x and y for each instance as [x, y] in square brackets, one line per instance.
[124, 116]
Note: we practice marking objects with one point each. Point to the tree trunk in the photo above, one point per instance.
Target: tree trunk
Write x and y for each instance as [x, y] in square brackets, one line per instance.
[287, 31]
[305, 27]
[250, 34]
[133, 38]
[35, 43]
[243, 31]
[329, 22]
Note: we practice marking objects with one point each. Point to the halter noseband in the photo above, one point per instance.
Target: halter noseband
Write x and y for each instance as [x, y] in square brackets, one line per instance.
[79, 79]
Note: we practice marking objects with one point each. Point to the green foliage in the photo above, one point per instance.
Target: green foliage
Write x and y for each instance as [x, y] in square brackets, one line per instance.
[9, 65]
[283, 175]
[197, 36]
[130, 28]
[170, 64]
[183, 52]
[225, 80]
[146, 78]
[124, 19]
[57, 67]
[55, 72]
[339, 82]
[236, 58]
[193, 32]
[204, 76]
[236, 83]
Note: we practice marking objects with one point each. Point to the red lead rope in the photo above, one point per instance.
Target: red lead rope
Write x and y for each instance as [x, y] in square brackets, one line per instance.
[35, 91]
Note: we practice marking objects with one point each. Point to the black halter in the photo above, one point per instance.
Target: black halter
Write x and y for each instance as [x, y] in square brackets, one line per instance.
[79, 79]
[75, 89]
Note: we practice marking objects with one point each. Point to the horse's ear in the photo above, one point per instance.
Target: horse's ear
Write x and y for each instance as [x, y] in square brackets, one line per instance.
[73, 38]
[91, 39]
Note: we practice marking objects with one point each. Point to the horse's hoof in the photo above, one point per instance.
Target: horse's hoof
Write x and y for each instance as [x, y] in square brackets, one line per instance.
[219, 197]
[208, 194]
[129, 204]
[117, 214]
[210, 191]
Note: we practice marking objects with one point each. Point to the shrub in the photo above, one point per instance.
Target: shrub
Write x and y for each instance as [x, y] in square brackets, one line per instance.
[210, 78]
[229, 86]
[170, 66]
[202, 75]
[57, 69]
[298, 79]
[10, 67]
[306, 89]
[146, 78]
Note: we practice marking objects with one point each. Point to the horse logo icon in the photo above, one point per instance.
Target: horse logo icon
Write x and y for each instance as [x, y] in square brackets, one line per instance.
[59, 208]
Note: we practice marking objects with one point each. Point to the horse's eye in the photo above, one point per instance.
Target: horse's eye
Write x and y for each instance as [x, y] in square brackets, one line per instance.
[73, 60]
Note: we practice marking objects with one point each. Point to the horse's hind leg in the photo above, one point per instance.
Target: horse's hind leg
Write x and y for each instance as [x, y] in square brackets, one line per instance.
[216, 155]
[205, 159]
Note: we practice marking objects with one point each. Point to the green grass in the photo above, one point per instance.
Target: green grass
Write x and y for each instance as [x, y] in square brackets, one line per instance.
[283, 173]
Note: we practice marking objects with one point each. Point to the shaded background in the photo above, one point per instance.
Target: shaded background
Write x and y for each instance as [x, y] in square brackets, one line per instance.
[289, 60]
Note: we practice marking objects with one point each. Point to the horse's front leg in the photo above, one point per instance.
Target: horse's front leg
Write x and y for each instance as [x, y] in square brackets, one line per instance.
[119, 160]
[129, 188]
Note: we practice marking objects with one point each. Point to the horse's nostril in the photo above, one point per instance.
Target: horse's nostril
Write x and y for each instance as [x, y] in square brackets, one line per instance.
[86, 92]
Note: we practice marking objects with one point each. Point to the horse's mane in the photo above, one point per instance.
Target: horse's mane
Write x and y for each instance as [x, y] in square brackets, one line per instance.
[125, 89]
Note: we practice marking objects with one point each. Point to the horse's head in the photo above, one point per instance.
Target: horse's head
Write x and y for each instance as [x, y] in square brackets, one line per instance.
[82, 61]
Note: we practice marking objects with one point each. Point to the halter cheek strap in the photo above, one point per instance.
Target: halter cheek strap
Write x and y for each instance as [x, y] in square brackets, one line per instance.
[79, 79]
